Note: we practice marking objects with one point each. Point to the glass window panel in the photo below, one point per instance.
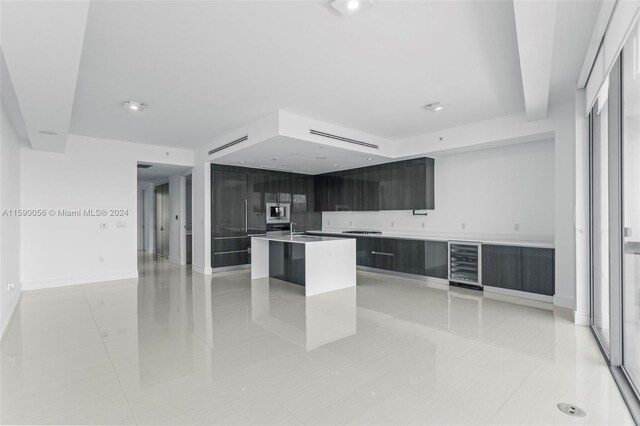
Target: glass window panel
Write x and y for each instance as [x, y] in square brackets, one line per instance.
[600, 220]
[631, 207]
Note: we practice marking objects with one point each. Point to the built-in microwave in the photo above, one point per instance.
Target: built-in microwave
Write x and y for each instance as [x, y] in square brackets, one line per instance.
[278, 212]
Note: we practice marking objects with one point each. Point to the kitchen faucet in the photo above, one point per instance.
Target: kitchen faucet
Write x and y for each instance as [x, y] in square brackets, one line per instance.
[292, 229]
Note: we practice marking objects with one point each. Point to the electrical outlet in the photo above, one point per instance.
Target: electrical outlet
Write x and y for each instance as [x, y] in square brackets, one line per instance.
[11, 287]
[464, 226]
[516, 226]
[101, 259]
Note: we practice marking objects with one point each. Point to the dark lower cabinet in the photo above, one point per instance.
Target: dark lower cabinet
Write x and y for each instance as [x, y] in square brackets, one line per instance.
[410, 256]
[436, 259]
[230, 251]
[363, 251]
[538, 270]
[286, 262]
[383, 253]
[526, 269]
[502, 266]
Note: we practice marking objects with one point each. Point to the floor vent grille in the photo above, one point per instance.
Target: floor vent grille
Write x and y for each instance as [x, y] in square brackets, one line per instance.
[228, 145]
[343, 139]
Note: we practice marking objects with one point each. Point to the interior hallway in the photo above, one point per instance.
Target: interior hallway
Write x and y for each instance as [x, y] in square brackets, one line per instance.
[177, 348]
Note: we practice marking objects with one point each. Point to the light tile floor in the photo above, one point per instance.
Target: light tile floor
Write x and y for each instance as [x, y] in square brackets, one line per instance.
[177, 348]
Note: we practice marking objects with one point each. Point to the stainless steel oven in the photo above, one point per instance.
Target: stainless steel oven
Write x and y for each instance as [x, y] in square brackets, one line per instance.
[278, 212]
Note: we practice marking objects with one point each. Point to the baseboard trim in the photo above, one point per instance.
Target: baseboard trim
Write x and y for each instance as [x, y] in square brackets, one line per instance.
[63, 282]
[520, 294]
[230, 268]
[437, 283]
[5, 327]
[176, 261]
[200, 269]
[580, 318]
[564, 302]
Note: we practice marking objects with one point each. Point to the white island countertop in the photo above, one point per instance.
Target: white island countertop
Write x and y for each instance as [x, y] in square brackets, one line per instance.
[298, 239]
[319, 263]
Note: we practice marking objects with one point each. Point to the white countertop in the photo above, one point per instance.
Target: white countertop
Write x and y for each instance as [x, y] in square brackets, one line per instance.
[478, 238]
[298, 239]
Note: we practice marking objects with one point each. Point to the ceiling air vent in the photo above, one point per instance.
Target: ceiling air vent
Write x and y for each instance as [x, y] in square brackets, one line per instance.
[144, 166]
[343, 139]
[230, 144]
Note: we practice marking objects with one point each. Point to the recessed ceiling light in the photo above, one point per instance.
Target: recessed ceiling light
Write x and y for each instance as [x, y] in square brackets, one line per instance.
[241, 161]
[369, 159]
[352, 7]
[48, 132]
[435, 106]
[335, 165]
[134, 105]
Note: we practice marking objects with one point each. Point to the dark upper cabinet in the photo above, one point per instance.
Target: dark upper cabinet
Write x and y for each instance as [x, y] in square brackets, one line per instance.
[365, 189]
[328, 192]
[419, 193]
[538, 270]
[228, 209]
[391, 189]
[278, 187]
[303, 203]
[402, 185]
[436, 259]
[502, 266]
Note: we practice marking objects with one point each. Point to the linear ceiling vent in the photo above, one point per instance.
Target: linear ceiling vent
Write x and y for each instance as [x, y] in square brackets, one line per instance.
[343, 139]
[144, 166]
[228, 145]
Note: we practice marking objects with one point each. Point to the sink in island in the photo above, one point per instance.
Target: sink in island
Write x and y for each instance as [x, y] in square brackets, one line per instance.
[320, 264]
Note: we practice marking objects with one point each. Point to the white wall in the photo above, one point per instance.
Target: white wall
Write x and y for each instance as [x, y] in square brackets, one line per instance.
[490, 191]
[92, 174]
[11, 148]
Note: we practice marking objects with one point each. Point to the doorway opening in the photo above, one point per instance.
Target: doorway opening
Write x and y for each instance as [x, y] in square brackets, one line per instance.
[165, 212]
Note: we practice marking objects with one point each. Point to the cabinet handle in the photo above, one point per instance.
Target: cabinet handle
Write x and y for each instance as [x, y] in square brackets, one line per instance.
[234, 251]
[382, 253]
[246, 216]
[230, 238]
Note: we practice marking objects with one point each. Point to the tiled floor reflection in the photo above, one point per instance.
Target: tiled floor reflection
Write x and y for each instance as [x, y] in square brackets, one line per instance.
[177, 348]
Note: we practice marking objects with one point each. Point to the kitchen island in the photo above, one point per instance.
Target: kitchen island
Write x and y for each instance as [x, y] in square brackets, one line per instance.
[320, 264]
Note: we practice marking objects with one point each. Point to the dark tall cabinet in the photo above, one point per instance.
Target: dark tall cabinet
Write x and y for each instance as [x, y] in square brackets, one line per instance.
[238, 208]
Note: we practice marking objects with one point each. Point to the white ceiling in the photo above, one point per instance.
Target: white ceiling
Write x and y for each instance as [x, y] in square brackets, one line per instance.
[295, 155]
[208, 67]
